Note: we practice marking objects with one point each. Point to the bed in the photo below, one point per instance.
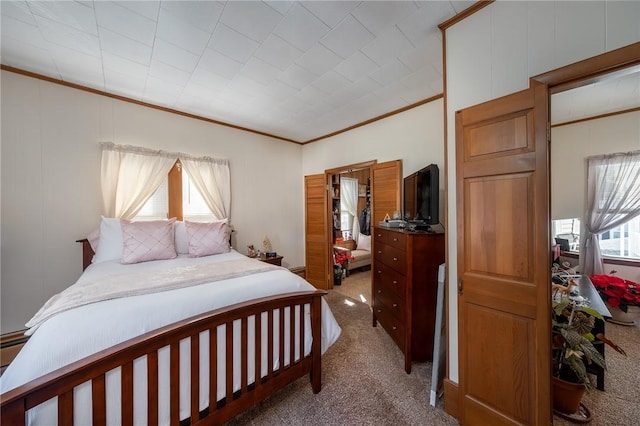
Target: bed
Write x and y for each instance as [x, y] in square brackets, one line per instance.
[188, 352]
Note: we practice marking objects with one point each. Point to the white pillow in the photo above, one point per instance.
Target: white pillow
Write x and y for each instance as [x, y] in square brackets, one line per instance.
[206, 239]
[147, 240]
[364, 242]
[110, 243]
[182, 240]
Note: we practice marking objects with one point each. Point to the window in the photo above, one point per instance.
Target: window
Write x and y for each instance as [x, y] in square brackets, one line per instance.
[623, 241]
[568, 229]
[176, 186]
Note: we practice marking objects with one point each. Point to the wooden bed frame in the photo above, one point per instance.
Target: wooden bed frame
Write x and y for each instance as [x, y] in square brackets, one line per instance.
[61, 383]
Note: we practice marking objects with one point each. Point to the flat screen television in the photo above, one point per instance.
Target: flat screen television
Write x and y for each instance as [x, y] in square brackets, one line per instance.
[421, 196]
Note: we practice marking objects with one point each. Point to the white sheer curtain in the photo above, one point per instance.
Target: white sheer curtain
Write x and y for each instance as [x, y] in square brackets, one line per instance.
[613, 198]
[130, 176]
[213, 180]
[349, 202]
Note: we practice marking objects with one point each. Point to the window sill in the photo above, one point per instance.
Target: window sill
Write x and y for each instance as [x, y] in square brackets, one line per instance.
[607, 260]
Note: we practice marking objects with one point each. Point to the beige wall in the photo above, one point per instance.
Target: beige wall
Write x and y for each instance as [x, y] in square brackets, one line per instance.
[50, 190]
[415, 136]
[495, 51]
[570, 147]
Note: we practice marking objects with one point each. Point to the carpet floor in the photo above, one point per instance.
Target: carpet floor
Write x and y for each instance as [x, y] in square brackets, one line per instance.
[363, 377]
[364, 383]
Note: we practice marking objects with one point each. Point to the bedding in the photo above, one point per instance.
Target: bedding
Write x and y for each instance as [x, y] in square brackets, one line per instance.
[75, 333]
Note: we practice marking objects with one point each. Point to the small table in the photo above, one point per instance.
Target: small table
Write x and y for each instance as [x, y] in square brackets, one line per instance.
[276, 260]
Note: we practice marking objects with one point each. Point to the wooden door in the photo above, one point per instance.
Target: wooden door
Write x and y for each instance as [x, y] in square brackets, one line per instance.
[386, 190]
[316, 231]
[503, 261]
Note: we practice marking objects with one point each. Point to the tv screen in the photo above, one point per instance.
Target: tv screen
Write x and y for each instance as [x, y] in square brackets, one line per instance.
[421, 196]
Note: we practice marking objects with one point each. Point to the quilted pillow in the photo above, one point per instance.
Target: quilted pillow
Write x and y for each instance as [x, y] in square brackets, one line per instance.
[147, 240]
[208, 238]
[182, 240]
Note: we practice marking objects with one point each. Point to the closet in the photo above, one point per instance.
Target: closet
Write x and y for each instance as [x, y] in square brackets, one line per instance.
[385, 196]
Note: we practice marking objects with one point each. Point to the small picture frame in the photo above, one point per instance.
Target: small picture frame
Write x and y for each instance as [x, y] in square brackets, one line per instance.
[362, 190]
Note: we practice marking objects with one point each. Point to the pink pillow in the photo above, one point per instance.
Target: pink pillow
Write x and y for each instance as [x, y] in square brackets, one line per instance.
[207, 238]
[147, 240]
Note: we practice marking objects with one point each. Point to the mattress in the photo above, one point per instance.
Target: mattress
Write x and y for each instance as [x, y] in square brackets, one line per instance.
[76, 333]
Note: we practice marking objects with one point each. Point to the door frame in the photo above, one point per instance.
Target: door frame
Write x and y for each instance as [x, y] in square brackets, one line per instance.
[619, 61]
[328, 173]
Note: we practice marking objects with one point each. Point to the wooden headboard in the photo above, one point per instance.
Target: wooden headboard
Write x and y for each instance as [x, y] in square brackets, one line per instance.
[87, 253]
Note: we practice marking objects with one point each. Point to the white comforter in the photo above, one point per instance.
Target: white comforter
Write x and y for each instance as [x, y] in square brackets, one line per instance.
[85, 330]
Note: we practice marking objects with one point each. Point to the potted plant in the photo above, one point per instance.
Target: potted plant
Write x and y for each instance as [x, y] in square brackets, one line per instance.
[621, 296]
[573, 349]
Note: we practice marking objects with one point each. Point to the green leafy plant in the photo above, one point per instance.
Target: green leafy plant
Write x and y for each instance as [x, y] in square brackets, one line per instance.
[573, 342]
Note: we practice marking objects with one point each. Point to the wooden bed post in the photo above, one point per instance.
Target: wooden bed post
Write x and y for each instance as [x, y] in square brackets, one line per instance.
[316, 345]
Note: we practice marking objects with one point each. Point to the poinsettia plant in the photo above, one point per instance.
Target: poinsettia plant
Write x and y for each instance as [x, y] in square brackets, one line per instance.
[616, 291]
[342, 258]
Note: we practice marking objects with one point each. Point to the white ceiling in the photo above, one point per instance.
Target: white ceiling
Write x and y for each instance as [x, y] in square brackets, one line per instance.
[295, 69]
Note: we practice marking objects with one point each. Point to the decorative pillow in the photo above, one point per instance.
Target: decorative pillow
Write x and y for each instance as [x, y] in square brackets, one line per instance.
[147, 240]
[207, 238]
[94, 239]
[110, 245]
[364, 242]
[182, 240]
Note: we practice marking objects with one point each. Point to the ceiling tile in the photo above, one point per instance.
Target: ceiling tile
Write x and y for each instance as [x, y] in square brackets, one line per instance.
[69, 13]
[460, 5]
[67, 36]
[301, 28]
[331, 82]
[125, 47]
[423, 24]
[203, 15]
[297, 77]
[278, 91]
[167, 72]
[220, 64]
[125, 22]
[181, 33]
[147, 8]
[387, 46]
[356, 66]
[125, 84]
[175, 56]
[17, 10]
[281, 6]
[319, 59]
[254, 19]
[330, 12]
[113, 62]
[161, 91]
[277, 52]
[209, 79]
[20, 30]
[425, 55]
[232, 44]
[259, 71]
[390, 72]
[26, 56]
[378, 16]
[346, 38]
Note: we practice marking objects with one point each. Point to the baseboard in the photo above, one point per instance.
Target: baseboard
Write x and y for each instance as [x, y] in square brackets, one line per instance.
[451, 398]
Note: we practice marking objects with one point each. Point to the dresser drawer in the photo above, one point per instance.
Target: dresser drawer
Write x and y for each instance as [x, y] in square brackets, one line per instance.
[389, 279]
[391, 256]
[390, 301]
[393, 238]
[390, 323]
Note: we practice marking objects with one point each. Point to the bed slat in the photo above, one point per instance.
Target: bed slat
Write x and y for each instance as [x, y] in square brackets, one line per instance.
[65, 409]
[281, 340]
[195, 376]
[229, 362]
[127, 393]
[244, 348]
[213, 369]
[292, 335]
[174, 383]
[258, 353]
[152, 388]
[98, 401]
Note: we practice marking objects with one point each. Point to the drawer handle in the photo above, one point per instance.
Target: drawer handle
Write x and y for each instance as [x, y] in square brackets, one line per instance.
[395, 259]
[379, 291]
[395, 282]
[395, 328]
[395, 305]
[395, 239]
[379, 272]
[379, 251]
[379, 310]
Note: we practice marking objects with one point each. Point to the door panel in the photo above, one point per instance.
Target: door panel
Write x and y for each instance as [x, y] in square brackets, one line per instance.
[386, 185]
[504, 302]
[316, 222]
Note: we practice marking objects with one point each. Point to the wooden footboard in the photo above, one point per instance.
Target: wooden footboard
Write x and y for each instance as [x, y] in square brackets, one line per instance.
[61, 383]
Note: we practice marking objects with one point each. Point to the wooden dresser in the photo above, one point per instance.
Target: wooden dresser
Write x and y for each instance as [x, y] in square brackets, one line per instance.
[405, 283]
